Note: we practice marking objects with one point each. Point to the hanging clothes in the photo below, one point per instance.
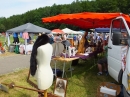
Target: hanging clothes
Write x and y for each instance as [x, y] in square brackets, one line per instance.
[21, 34]
[21, 49]
[29, 39]
[15, 37]
[25, 35]
[15, 34]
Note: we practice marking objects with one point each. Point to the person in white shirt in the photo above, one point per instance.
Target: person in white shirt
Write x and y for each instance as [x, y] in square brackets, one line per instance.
[64, 37]
[65, 42]
[57, 38]
[79, 38]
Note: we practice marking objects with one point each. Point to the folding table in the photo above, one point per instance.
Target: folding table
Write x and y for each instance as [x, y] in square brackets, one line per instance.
[64, 63]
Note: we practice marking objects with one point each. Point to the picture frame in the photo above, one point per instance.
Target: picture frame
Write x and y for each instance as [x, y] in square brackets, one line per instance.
[60, 87]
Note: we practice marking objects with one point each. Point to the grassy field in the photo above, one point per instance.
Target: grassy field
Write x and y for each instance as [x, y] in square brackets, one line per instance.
[83, 83]
[2, 39]
[21, 40]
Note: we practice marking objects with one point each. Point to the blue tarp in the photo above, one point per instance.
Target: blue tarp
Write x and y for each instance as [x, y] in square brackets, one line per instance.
[102, 30]
[105, 30]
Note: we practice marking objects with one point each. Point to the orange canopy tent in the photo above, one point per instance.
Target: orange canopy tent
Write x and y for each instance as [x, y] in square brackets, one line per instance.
[86, 19]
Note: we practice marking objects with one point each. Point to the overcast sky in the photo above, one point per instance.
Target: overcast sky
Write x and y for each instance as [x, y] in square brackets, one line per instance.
[15, 7]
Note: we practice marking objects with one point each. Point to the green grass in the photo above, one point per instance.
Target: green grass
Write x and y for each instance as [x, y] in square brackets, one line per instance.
[21, 40]
[83, 83]
[2, 39]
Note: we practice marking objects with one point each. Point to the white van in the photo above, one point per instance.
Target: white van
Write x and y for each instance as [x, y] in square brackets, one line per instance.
[119, 53]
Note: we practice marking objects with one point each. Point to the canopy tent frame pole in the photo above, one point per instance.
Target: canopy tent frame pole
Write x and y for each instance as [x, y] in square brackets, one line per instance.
[25, 46]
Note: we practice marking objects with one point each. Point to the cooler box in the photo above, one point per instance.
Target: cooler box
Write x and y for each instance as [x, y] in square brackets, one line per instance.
[11, 48]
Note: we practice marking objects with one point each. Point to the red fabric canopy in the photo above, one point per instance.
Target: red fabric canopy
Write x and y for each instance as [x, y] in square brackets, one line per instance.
[86, 19]
[57, 31]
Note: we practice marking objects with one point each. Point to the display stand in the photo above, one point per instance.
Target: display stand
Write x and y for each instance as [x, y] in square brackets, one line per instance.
[45, 91]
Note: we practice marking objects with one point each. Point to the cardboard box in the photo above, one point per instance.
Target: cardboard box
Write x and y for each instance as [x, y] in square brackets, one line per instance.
[108, 91]
[110, 86]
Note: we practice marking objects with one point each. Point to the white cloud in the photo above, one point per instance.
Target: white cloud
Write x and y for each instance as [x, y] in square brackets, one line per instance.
[14, 7]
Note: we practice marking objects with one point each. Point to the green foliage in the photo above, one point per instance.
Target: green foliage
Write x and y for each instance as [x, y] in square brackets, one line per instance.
[124, 6]
[75, 7]
[35, 16]
[65, 9]
[2, 28]
[107, 6]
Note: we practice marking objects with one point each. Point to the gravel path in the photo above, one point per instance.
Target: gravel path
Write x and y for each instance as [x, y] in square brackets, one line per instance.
[9, 64]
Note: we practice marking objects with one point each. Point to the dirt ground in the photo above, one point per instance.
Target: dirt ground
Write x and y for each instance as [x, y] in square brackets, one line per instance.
[10, 62]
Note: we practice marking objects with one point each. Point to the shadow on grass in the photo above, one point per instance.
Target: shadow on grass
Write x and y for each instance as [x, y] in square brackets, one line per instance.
[21, 93]
[86, 73]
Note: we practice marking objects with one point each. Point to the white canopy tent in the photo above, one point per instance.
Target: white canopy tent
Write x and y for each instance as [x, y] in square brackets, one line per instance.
[78, 32]
[69, 31]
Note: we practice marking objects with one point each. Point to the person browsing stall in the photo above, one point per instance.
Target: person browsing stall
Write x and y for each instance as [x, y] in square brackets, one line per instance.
[102, 63]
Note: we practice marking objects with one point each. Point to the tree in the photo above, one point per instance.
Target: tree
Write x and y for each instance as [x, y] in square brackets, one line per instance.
[65, 9]
[75, 7]
[107, 6]
[123, 5]
[2, 28]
